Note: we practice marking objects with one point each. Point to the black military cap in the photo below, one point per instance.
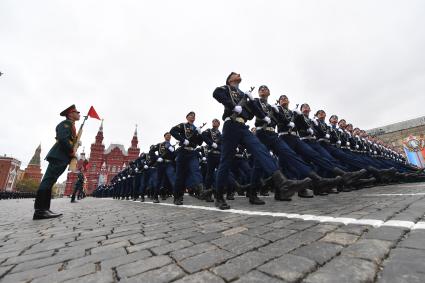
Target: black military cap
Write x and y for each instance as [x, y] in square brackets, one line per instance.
[166, 133]
[262, 87]
[333, 117]
[69, 110]
[190, 113]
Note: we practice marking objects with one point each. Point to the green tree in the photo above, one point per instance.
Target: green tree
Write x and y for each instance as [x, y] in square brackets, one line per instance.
[27, 185]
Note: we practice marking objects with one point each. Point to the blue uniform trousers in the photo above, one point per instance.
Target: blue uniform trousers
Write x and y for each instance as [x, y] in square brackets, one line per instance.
[288, 159]
[235, 133]
[213, 160]
[303, 149]
[165, 174]
[187, 171]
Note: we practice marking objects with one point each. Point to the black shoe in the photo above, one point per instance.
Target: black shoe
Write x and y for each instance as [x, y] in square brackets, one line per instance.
[155, 199]
[142, 199]
[305, 193]
[74, 201]
[349, 177]
[343, 189]
[44, 214]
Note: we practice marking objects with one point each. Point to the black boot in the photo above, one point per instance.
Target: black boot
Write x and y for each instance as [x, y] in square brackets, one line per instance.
[284, 189]
[207, 195]
[305, 193]
[178, 199]
[251, 193]
[220, 203]
[142, 198]
[365, 183]
[155, 199]
[322, 185]
[349, 177]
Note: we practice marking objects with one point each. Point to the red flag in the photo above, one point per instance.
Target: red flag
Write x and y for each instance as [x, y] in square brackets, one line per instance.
[93, 114]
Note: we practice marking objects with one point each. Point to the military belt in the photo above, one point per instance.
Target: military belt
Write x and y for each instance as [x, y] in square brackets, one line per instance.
[189, 148]
[239, 155]
[215, 151]
[288, 133]
[237, 119]
[308, 138]
[269, 129]
[323, 140]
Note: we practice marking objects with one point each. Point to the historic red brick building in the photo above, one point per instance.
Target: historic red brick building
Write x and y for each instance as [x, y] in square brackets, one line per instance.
[9, 168]
[103, 164]
[33, 170]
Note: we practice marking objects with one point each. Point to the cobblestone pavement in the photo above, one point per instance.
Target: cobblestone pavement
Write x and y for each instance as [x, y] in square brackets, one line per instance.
[104, 240]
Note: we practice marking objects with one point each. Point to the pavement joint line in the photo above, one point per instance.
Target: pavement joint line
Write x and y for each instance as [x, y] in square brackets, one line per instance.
[376, 223]
[395, 195]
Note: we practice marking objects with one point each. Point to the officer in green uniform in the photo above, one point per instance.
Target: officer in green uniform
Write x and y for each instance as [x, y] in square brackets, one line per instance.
[58, 157]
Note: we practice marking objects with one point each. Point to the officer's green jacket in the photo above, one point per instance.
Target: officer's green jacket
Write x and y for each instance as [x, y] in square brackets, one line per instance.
[65, 139]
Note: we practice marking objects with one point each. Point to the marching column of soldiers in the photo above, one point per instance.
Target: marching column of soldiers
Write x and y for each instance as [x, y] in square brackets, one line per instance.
[288, 153]
[16, 195]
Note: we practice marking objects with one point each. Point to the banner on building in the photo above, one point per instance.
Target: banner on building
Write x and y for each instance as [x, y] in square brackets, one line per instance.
[414, 147]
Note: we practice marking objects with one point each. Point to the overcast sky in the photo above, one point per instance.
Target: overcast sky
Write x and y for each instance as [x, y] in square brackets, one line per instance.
[151, 62]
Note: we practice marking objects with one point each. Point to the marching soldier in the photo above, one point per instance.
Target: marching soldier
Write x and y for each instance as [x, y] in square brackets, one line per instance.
[187, 163]
[58, 157]
[238, 109]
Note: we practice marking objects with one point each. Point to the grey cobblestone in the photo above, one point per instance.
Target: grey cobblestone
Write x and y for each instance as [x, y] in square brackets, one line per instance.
[132, 269]
[240, 265]
[205, 260]
[203, 276]
[162, 275]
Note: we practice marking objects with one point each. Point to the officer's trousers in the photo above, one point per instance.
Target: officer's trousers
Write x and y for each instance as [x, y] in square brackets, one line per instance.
[165, 171]
[44, 192]
[213, 160]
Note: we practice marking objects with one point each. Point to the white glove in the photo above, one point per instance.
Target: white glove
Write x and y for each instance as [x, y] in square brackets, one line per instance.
[249, 94]
[327, 136]
[214, 145]
[340, 130]
[80, 143]
[199, 130]
[267, 120]
[338, 142]
[186, 142]
[204, 158]
[375, 152]
[146, 166]
[160, 159]
[137, 170]
[315, 122]
[347, 143]
[238, 109]
[171, 149]
[298, 112]
[123, 178]
[357, 146]
[119, 179]
[275, 108]
[291, 125]
[310, 130]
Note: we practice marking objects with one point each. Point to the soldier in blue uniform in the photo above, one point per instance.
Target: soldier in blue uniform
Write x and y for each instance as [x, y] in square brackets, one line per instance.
[164, 163]
[287, 158]
[58, 157]
[187, 163]
[238, 109]
[212, 138]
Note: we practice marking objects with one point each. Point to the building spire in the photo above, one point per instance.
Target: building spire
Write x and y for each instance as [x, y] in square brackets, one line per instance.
[35, 160]
[101, 126]
[135, 131]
